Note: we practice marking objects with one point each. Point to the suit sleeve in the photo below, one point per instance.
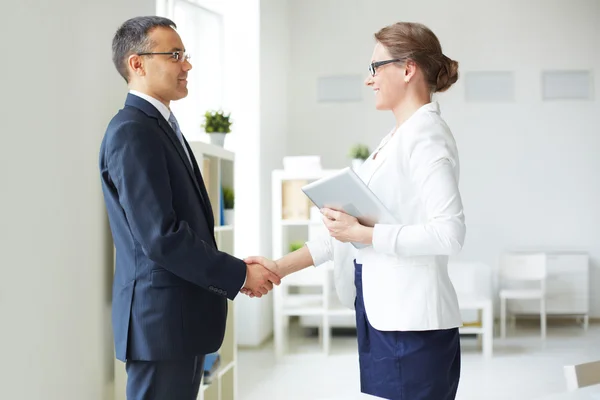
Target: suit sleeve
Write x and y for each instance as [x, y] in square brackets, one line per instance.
[138, 168]
[431, 166]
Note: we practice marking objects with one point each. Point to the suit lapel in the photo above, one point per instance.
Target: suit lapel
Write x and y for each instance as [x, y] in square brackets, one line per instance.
[196, 177]
[151, 111]
[173, 138]
[202, 187]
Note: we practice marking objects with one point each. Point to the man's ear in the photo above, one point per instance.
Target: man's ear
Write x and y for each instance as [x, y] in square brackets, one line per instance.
[135, 65]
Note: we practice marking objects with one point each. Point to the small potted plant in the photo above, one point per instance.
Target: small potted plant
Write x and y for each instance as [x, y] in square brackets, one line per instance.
[217, 124]
[296, 245]
[228, 204]
[359, 153]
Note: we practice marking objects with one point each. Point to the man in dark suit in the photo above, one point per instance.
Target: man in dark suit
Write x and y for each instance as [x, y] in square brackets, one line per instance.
[171, 282]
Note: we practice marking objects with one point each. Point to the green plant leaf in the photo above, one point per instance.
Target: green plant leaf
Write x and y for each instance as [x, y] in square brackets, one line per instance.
[360, 151]
[296, 245]
[228, 198]
[217, 122]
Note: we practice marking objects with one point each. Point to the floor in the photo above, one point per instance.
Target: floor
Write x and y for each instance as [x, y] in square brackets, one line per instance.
[523, 367]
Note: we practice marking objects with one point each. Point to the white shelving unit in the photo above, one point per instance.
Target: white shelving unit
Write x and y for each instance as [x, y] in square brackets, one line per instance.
[217, 167]
[310, 293]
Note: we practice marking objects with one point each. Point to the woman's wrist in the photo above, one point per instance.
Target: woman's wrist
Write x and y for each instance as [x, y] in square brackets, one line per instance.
[365, 235]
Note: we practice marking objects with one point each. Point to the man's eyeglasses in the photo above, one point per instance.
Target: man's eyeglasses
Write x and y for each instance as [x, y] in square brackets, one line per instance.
[178, 56]
[373, 66]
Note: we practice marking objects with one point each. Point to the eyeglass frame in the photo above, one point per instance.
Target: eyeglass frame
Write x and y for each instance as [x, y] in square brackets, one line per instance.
[176, 55]
[374, 65]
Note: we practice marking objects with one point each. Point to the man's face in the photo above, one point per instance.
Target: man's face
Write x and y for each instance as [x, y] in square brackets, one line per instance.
[164, 77]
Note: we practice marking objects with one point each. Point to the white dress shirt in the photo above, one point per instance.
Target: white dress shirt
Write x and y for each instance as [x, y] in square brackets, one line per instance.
[159, 105]
[405, 278]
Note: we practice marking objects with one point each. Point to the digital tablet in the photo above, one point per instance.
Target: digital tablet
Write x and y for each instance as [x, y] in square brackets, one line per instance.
[345, 191]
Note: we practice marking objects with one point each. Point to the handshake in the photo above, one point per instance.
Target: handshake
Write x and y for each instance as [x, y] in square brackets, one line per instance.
[261, 274]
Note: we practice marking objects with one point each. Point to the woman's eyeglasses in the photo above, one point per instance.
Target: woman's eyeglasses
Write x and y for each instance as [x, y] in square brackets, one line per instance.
[374, 65]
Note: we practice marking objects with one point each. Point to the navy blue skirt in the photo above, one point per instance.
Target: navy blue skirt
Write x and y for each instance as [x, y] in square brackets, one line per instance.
[407, 365]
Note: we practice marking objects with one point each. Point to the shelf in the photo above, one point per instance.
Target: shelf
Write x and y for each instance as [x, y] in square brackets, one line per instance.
[303, 304]
[224, 228]
[340, 311]
[470, 330]
[284, 175]
[217, 166]
[299, 222]
[222, 370]
[303, 300]
[210, 150]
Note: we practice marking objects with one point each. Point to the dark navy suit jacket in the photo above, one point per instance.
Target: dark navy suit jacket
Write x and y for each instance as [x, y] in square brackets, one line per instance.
[171, 283]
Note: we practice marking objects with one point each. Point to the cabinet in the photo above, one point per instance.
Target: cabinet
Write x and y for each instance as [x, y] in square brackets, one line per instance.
[310, 293]
[567, 286]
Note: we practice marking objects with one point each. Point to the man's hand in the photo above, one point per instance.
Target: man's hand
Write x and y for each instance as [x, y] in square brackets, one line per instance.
[269, 266]
[259, 280]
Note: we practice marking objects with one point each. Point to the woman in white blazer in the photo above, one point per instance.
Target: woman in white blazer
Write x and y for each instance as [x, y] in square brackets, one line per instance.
[407, 312]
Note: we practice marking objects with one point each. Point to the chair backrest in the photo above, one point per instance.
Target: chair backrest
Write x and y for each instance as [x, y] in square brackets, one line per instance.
[523, 266]
[581, 375]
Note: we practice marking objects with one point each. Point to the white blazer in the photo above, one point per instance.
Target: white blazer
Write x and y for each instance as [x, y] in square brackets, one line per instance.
[405, 272]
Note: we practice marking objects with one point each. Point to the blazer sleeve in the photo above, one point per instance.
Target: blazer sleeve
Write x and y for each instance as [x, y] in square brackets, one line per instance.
[431, 163]
[320, 249]
[137, 165]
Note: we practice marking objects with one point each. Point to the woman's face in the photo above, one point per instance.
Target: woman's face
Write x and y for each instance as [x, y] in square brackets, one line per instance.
[389, 82]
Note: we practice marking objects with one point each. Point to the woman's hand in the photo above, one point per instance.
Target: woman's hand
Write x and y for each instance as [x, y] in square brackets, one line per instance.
[346, 228]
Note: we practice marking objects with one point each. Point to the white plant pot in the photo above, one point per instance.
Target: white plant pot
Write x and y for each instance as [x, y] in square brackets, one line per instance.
[218, 139]
[356, 163]
[228, 216]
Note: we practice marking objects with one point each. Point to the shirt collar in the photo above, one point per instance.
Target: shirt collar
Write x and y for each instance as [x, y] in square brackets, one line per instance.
[162, 109]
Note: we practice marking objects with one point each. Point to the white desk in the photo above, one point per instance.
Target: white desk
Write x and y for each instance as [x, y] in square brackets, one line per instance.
[586, 393]
[486, 328]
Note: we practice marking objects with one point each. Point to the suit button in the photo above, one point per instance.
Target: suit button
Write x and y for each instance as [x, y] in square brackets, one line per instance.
[211, 288]
[224, 292]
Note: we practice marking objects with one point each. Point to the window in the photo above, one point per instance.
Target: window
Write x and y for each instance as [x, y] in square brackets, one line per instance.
[202, 33]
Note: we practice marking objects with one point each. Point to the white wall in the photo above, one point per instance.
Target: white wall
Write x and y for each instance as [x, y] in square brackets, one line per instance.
[274, 69]
[255, 316]
[528, 168]
[61, 90]
[242, 97]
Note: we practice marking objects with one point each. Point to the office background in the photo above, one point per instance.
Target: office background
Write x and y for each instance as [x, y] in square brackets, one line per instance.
[529, 164]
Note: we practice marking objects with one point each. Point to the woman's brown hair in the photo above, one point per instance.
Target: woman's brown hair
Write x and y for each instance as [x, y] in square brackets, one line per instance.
[412, 41]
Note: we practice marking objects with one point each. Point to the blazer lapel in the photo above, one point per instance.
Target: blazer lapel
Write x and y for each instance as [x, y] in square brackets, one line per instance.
[196, 177]
[382, 152]
[202, 186]
[151, 111]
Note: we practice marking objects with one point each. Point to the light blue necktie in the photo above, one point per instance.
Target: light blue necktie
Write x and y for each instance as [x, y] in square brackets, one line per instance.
[175, 126]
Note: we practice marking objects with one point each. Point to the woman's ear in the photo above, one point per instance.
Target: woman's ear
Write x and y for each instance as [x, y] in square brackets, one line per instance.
[409, 70]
